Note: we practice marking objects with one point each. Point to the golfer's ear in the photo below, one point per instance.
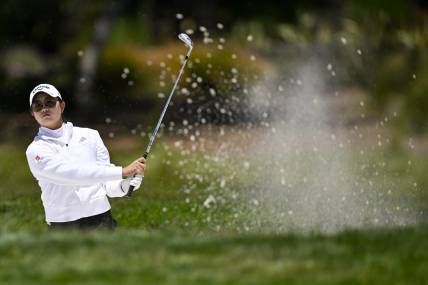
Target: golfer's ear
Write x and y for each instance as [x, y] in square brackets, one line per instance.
[31, 113]
[62, 105]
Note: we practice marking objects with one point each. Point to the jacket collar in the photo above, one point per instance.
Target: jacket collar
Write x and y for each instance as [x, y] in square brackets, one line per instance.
[62, 135]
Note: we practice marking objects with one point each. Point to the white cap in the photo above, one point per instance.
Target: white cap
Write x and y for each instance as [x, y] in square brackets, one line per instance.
[45, 88]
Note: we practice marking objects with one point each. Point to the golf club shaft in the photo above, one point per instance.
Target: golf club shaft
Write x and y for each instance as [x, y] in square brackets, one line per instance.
[153, 136]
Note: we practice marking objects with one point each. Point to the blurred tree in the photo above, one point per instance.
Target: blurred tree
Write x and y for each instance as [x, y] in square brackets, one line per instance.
[92, 53]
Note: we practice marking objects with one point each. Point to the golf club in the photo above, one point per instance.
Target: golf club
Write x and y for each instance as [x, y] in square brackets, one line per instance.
[189, 44]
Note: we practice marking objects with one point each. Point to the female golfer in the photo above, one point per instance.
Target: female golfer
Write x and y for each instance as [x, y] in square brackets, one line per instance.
[72, 167]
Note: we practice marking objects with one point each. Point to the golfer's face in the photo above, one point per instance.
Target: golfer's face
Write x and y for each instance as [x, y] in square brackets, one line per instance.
[47, 110]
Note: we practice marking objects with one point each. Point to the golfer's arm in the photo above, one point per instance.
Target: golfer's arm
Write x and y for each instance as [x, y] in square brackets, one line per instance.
[113, 188]
[57, 170]
[103, 157]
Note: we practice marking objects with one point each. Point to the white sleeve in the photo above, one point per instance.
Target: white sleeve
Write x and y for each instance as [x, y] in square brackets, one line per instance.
[113, 188]
[103, 156]
[46, 164]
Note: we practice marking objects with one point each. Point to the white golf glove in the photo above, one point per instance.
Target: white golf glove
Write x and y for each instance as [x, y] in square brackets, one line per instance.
[131, 181]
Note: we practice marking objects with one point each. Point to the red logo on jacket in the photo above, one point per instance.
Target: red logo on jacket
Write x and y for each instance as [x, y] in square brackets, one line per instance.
[37, 158]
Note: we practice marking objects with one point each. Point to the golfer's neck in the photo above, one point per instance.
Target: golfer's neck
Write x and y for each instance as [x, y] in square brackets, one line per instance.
[56, 126]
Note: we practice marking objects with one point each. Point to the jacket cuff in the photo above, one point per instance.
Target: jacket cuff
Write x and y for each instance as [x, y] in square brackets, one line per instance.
[114, 189]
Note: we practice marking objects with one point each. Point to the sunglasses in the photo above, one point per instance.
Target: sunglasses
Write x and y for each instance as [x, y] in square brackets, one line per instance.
[37, 106]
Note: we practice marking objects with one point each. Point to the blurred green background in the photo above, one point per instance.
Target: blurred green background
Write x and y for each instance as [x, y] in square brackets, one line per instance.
[294, 150]
[113, 55]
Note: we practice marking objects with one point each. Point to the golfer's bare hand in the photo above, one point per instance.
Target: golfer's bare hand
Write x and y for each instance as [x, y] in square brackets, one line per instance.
[135, 168]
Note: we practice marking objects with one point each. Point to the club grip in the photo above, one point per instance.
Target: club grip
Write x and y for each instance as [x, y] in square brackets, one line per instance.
[131, 188]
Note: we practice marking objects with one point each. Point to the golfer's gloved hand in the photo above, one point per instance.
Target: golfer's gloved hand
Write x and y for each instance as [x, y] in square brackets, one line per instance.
[131, 181]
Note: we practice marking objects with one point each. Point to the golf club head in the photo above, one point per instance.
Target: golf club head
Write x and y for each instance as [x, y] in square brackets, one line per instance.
[186, 40]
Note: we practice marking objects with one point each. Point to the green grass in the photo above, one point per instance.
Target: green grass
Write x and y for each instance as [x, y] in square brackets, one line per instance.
[165, 239]
[138, 256]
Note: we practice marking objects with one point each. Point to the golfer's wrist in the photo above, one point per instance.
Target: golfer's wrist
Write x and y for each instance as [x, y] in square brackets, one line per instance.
[124, 172]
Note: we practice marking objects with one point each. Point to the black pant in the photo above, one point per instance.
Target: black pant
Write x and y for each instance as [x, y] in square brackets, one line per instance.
[100, 221]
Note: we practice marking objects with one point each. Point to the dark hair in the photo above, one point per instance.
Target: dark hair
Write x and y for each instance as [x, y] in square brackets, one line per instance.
[64, 120]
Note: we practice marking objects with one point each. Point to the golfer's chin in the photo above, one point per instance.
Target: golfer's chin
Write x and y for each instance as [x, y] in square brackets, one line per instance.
[50, 122]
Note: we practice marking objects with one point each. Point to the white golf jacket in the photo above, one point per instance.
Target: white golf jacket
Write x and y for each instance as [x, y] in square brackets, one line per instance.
[73, 170]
